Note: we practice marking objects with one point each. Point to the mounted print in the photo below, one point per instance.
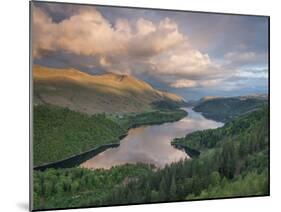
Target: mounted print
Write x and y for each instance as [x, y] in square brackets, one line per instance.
[138, 105]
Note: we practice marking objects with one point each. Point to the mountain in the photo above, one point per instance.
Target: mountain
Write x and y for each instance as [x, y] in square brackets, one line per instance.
[87, 93]
[225, 109]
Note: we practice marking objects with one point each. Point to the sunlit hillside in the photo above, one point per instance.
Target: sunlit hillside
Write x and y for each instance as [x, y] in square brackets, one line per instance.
[83, 92]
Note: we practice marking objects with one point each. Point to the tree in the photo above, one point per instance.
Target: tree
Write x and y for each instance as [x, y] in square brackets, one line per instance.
[147, 192]
[154, 196]
[228, 160]
[173, 189]
[215, 178]
[163, 189]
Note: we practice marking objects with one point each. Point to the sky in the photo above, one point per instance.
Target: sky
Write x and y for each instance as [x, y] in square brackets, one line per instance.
[191, 54]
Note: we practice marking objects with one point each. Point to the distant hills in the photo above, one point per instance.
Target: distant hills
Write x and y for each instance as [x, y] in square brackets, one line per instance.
[87, 93]
[225, 109]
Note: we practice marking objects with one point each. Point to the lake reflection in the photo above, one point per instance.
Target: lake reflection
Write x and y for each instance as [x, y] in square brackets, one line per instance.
[151, 144]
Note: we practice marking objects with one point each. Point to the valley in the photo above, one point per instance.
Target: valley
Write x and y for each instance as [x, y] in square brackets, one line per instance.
[131, 143]
[60, 133]
[137, 106]
[233, 161]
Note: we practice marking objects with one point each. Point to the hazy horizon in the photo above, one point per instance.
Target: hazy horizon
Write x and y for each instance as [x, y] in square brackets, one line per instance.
[190, 54]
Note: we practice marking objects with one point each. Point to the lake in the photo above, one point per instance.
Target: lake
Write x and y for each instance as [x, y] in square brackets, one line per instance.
[152, 144]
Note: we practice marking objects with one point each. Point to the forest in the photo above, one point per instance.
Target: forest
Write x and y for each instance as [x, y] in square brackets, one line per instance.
[151, 117]
[233, 162]
[228, 108]
[60, 132]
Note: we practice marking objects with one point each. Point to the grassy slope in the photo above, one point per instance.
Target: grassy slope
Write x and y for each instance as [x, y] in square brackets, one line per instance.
[226, 109]
[94, 93]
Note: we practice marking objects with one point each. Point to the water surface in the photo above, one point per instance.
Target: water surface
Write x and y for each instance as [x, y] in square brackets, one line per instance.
[152, 144]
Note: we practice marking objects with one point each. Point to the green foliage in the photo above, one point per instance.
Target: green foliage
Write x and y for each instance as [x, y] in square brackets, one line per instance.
[252, 184]
[201, 139]
[60, 133]
[251, 130]
[166, 104]
[81, 187]
[173, 189]
[149, 118]
[156, 117]
[228, 159]
[235, 164]
[226, 109]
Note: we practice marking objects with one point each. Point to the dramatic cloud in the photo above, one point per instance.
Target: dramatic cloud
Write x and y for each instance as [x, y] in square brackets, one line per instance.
[185, 61]
[144, 46]
[89, 33]
[153, 45]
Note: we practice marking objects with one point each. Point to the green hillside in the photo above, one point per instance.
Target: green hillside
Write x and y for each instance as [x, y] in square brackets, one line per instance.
[60, 133]
[226, 109]
[233, 162]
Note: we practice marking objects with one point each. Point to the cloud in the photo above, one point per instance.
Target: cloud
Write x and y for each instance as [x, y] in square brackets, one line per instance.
[86, 33]
[238, 56]
[89, 33]
[184, 83]
[185, 61]
[83, 36]
[158, 47]
[242, 58]
[253, 73]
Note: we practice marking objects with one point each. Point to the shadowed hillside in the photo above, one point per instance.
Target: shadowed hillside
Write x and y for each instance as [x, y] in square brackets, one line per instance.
[94, 93]
[227, 108]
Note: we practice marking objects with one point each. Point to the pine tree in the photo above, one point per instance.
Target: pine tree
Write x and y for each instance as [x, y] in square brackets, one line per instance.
[173, 189]
[163, 189]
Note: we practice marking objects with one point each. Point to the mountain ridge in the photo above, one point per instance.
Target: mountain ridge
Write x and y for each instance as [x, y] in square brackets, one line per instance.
[83, 92]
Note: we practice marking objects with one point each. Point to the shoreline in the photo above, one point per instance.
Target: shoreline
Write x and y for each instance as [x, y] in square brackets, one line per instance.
[78, 159]
[192, 153]
[156, 123]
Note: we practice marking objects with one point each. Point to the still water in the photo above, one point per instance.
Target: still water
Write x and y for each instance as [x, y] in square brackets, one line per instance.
[151, 144]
